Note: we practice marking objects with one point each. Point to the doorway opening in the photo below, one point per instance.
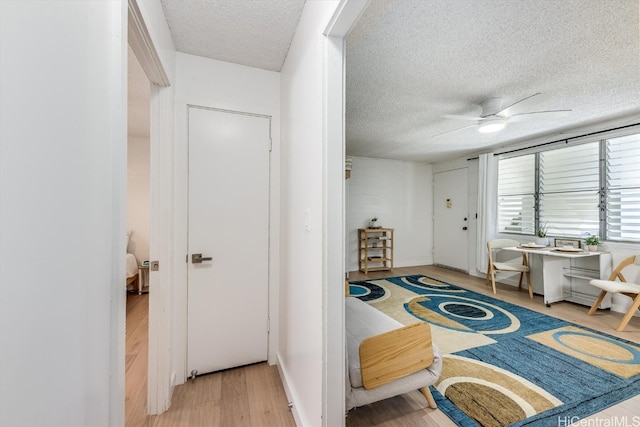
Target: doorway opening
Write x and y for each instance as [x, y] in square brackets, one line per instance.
[138, 237]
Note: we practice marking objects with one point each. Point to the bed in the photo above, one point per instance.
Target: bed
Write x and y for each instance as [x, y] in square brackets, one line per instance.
[132, 269]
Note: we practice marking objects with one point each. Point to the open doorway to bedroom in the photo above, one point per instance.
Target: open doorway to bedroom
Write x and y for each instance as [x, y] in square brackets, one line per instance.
[138, 233]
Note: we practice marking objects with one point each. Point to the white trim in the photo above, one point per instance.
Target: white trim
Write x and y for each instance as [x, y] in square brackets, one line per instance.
[333, 400]
[159, 379]
[160, 376]
[285, 383]
[333, 366]
[143, 47]
[346, 15]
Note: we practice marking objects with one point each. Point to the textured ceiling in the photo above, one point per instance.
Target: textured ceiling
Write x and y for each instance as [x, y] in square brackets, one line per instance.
[256, 33]
[410, 62]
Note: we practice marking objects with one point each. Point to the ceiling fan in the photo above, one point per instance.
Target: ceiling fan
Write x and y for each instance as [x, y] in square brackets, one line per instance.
[495, 118]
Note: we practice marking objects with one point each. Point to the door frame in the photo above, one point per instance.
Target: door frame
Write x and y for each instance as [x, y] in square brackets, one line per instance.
[159, 376]
[345, 16]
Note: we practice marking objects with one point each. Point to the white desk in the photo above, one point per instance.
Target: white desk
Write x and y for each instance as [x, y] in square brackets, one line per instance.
[565, 276]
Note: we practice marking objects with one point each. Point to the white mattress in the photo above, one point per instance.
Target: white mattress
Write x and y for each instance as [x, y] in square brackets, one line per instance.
[132, 265]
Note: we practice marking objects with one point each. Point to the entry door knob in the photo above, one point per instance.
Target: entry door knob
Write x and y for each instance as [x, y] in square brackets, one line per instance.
[464, 228]
[198, 258]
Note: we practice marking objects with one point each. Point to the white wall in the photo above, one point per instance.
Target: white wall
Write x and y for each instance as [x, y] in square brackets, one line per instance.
[62, 212]
[138, 196]
[400, 195]
[210, 83]
[301, 331]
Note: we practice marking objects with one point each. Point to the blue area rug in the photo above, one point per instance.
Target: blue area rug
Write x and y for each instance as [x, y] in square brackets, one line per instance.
[505, 365]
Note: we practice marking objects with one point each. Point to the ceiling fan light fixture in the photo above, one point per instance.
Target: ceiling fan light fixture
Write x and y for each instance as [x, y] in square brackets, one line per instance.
[491, 125]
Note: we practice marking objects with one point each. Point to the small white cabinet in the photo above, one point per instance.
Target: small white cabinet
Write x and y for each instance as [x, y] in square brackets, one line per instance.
[561, 277]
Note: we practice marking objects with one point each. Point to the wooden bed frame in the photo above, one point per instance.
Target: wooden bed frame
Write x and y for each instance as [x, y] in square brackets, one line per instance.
[131, 280]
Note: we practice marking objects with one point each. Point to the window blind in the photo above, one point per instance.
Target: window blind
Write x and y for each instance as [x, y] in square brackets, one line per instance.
[516, 188]
[569, 190]
[623, 188]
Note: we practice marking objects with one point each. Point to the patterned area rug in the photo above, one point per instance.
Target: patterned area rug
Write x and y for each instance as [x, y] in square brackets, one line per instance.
[504, 365]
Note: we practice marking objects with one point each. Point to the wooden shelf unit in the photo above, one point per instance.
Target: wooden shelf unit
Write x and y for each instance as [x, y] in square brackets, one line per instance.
[375, 249]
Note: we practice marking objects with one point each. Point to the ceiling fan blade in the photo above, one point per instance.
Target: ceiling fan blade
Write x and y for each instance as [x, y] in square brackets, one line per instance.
[457, 117]
[451, 131]
[525, 104]
[538, 115]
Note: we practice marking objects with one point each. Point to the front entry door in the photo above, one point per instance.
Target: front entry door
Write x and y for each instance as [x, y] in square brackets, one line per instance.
[228, 259]
[451, 219]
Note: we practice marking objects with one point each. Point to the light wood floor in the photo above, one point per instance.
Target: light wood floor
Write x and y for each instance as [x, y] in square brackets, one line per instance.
[412, 409]
[253, 396]
[136, 359]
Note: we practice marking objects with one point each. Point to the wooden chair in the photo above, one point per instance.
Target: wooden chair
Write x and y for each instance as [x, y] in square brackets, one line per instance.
[622, 287]
[494, 266]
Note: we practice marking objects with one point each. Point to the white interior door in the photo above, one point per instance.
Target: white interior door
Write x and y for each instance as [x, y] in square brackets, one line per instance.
[451, 219]
[229, 223]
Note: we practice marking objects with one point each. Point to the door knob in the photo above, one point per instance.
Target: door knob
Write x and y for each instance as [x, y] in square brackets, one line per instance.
[464, 228]
[198, 258]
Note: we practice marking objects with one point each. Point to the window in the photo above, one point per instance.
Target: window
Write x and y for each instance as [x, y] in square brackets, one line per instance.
[574, 191]
[516, 192]
[569, 190]
[623, 188]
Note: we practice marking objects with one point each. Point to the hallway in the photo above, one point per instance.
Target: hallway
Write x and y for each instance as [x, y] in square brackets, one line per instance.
[250, 396]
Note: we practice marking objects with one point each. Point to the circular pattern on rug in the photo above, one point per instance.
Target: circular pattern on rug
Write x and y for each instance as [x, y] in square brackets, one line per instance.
[600, 347]
[426, 283]
[463, 314]
[465, 310]
[358, 290]
[489, 394]
[366, 291]
[474, 397]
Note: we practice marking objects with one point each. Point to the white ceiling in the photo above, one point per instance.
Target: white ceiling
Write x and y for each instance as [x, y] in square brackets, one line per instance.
[253, 33]
[410, 62]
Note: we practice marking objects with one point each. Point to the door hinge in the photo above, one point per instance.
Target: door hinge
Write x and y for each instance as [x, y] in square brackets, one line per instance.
[270, 144]
[268, 324]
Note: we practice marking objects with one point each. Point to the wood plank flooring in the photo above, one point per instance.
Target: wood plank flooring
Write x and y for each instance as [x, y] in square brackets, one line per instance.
[253, 396]
[136, 359]
[250, 396]
[411, 409]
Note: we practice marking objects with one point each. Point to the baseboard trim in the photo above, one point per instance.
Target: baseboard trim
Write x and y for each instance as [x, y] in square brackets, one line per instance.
[460, 270]
[287, 390]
